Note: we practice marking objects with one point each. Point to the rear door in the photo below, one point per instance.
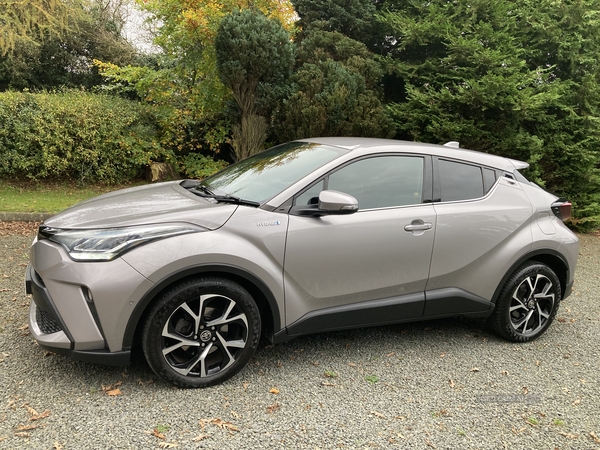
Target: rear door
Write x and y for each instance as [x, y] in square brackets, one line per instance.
[482, 225]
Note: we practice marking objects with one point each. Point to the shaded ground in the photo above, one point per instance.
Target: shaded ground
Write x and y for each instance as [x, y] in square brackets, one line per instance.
[436, 384]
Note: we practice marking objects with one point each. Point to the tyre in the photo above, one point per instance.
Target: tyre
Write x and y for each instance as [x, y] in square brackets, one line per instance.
[201, 332]
[527, 304]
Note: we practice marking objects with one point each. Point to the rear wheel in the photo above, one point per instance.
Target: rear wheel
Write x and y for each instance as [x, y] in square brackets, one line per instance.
[527, 304]
[201, 332]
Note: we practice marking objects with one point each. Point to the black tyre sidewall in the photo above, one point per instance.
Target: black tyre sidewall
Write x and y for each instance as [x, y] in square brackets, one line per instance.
[170, 301]
[500, 319]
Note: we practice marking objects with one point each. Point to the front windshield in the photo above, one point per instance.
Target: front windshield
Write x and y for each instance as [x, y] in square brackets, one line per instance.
[266, 174]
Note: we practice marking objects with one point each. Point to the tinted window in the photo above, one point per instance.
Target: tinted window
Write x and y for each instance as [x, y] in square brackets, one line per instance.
[489, 178]
[460, 181]
[381, 182]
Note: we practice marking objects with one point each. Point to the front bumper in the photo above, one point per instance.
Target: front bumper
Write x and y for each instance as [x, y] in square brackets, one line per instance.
[50, 331]
[81, 309]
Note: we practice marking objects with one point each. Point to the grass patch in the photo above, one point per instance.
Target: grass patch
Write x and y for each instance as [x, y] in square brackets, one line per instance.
[48, 197]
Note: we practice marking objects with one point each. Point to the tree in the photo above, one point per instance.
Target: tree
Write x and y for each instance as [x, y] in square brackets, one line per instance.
[54, 60]
[515, 78]
[353, 18]
[26, 22]
[335, 92]
[254, 57]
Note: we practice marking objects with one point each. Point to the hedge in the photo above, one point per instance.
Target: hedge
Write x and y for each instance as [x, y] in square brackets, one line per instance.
[92, 138]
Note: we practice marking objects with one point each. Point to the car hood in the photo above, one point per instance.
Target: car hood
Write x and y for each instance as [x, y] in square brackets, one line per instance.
[150, 204]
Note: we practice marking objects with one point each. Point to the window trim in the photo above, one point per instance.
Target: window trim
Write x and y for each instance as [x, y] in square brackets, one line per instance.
[426, 192]
[437, 187]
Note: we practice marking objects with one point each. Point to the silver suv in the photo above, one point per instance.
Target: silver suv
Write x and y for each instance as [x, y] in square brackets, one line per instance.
[309, 236]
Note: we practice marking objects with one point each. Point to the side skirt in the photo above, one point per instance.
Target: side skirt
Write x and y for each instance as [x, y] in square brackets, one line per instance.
[407, 308]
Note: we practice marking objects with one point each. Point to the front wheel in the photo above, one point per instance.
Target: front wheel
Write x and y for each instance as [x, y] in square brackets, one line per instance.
[527, 304]
[201, 332]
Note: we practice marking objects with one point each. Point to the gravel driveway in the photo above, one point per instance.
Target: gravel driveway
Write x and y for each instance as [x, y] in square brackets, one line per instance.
[436, 384]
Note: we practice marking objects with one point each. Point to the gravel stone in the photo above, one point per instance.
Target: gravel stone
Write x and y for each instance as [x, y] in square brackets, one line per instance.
[442, 384]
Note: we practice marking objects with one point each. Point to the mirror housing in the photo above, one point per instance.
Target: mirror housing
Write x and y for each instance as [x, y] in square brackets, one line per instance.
[330, 202]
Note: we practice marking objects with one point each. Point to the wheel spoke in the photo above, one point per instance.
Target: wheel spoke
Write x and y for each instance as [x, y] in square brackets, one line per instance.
[224, 319]
[185, 369]
[191, 313]
[523, 322]
[224, 347]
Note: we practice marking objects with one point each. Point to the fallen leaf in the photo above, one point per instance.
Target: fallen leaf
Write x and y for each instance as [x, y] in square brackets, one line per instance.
[157, 434]
[327, 383]
[26, 427]
[475, 369]
[378, 414]
[167, 445]
[40, 416]
[429, 443]
[594, 437]
[245, 384]
[31, 411]
[577, 402]
[352, 364]
[525, 390]
[568, 435]
[274, 391]
[400, 418]
[114, 392]
[24, 327]
[57, 446]
[22, 434]
[451, 383]
[200, 437]
[390, 354]
[274, 407]
[224, 425]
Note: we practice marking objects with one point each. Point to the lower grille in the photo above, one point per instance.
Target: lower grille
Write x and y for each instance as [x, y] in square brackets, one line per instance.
[46, 323]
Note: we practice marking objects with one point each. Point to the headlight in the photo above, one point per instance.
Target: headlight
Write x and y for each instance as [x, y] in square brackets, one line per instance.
[109, 243]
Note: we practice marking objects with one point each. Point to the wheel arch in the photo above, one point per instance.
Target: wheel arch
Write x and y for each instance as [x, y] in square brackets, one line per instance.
[260, 292]
[549, 257]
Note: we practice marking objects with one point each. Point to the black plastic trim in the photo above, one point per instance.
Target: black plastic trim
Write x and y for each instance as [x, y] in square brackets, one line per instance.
[105, 358]
[40, 295]
[363, 314]
[200, 269]
[453, 301]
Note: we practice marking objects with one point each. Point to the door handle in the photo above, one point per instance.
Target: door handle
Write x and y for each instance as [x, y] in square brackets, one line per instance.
[418, 225]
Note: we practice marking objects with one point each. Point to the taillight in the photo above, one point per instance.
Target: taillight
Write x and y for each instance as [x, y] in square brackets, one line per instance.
[561, 208]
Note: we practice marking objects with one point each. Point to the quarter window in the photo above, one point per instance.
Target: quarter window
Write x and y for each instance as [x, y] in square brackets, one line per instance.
[460, 181]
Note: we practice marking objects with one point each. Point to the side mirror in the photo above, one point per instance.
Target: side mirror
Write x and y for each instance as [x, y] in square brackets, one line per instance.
[330, 202]
[335, 202]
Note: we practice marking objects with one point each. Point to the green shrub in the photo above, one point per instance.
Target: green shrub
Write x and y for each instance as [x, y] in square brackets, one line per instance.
[87, 137]
[195, 165]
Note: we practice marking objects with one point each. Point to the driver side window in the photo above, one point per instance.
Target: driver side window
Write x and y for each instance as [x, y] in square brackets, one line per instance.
[377, 182]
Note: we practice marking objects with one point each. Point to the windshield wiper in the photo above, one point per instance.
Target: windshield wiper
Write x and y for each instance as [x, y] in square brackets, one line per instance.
[203, 191]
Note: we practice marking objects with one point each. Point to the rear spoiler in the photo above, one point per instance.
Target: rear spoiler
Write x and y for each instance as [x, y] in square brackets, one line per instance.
[519, 164]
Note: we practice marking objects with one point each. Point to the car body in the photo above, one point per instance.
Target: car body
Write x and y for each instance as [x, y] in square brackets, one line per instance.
[310, 236]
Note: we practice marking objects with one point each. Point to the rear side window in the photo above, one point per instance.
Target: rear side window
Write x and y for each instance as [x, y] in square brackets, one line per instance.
[460, 181]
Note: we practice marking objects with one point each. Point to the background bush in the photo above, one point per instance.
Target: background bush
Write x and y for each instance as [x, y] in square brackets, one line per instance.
[88, 137]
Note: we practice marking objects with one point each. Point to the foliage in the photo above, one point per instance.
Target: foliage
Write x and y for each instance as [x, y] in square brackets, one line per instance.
[353, 18]
[195, 165]
[185, 87]
[25, 22]
[51, 60]
[516, 78]
[335, 91]
[87, 137]
[254, 58]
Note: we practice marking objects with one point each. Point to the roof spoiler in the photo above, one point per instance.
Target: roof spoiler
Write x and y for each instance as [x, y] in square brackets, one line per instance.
[519, 164]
